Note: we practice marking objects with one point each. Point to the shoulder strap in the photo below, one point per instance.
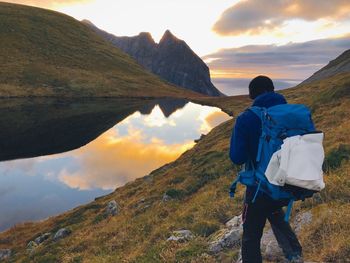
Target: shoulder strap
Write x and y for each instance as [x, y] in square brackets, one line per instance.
[261, 112]
[258, 111]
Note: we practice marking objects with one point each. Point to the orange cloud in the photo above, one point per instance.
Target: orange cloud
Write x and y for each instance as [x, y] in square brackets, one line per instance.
[261, 16]
[112, 160]
[47, 3]
[216, 118]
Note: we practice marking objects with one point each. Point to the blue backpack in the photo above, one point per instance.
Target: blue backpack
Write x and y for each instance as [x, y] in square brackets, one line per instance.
[277, 122]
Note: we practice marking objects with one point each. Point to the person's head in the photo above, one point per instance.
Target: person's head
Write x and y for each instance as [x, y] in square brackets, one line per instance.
[260, 85]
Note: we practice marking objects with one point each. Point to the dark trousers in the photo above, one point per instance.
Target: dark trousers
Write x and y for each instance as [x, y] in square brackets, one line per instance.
[254, 216]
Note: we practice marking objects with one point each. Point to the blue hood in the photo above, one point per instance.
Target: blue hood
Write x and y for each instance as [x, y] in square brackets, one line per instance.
[269, 99]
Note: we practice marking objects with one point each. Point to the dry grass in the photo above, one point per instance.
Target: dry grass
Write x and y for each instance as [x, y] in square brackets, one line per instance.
[199, 181]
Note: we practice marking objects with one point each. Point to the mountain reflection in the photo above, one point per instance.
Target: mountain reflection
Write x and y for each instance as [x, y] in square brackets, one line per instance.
[122, 140]
[31, 128]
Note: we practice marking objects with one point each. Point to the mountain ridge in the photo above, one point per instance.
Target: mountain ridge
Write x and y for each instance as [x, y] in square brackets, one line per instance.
[171, 59]
[338, 65]
[48, 54]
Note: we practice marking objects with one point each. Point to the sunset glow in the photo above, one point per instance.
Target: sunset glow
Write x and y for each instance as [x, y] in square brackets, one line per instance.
[210, 26]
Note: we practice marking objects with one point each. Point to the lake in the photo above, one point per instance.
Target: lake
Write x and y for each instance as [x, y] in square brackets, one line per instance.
[57, 154]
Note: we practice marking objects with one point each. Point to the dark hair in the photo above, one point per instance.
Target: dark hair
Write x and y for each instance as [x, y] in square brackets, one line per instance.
[260, 85]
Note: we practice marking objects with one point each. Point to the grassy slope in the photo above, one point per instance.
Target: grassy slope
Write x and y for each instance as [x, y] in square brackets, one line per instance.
[199, 180]
[45, 53]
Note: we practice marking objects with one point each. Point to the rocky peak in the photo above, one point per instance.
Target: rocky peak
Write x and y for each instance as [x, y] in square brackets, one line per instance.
[146, 36]
[172, 59]
[168, 37]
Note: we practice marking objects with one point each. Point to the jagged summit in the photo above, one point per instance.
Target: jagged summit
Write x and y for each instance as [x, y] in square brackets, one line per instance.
[168, 37]
[146, 36]
[171, 59]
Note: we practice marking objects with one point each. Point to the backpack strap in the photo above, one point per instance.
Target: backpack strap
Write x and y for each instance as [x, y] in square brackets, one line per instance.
[250, 166]
[289, 210]
[260, 112]
[234, 186]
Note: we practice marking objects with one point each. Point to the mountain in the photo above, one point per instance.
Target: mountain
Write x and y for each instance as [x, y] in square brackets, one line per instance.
[171, 59]
[338, 65]
[49, 54]
[192, 193]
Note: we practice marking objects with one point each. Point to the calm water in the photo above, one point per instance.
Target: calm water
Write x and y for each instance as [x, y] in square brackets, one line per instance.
[66, 154]
[239, 86]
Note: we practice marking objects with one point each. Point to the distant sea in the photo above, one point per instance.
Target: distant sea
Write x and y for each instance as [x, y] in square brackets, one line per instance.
[240, 86]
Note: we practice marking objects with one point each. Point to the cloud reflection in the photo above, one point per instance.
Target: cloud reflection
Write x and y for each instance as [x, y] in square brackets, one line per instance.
[135, 147]
[113, 160]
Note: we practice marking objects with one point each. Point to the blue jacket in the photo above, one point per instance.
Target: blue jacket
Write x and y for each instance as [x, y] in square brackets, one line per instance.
[247, 131]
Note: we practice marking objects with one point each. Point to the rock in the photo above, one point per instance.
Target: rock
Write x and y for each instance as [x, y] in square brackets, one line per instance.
[62, 233]
[225, 238]
[239, 259]
[42, 238]
[234, 222]
[181, 236]
[31, 246]
[228, 237]
[166, 198]
[200, 138]
[270, 249]
[5, 254]
[112, 208]
[301, 220]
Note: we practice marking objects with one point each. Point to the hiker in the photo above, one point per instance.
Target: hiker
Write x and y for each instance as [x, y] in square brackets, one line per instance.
[243, 150]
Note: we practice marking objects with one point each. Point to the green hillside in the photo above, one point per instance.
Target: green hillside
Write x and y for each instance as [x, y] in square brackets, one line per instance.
[198, 183]
[46, 53]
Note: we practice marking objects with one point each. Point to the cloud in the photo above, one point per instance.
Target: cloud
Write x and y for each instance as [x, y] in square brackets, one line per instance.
[113, 160]
[256, 16]
[216, 118]
[47, 3]
[290, 61]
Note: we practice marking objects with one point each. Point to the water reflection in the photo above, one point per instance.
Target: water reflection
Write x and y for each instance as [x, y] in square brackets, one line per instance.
[147, 135]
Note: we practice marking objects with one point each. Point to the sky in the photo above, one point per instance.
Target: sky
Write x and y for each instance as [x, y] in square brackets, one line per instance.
[238, 39]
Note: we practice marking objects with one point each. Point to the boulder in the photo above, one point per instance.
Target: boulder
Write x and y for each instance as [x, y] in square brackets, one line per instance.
[301, 220]
[181, 236]
[112, 208]
[228, 237]
[42, 238]
[31, 246]
[5, 254]
[270, 249]
[166, 198]
[225, 238]
[62, 233]
[200, 138]
[234, 222]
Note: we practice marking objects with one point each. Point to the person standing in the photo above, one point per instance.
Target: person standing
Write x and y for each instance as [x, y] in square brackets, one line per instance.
[243, 150]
